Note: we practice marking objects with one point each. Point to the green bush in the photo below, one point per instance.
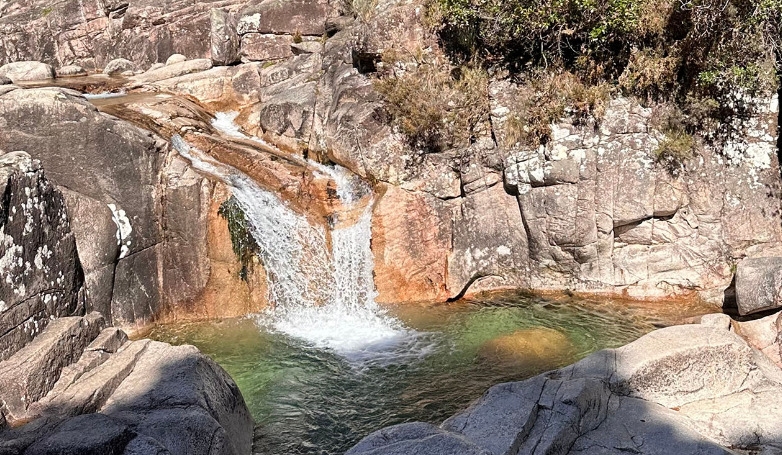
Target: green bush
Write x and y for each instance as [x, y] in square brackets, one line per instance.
[700, 52]
[548, 97]
[674, 149]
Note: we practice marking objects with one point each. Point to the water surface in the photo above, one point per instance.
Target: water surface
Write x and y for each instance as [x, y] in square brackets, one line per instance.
[309, 400]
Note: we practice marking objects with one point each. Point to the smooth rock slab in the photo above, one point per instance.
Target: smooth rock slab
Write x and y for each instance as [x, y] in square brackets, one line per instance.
[29, 374]
[27, 71]
[759, 284]
[415, 438]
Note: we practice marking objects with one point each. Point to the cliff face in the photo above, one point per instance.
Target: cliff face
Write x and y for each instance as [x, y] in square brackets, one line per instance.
[141, 219]
[68, 384]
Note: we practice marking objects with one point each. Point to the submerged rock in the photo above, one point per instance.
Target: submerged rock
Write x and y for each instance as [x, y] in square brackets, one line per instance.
[535, 346]
[683, 389]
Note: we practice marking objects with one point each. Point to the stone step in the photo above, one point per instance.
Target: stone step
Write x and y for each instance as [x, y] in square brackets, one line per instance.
[108, 342]
[93, 388]
[32, 372]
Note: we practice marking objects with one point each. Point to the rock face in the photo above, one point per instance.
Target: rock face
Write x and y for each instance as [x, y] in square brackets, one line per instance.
[92, 33]
[591, 211]
[141, 246]
[42, 275]
[759, 284]
[660, 394]
[70, 385]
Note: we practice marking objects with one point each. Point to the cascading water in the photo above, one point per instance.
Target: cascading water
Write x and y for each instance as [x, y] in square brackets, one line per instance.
[323, 296]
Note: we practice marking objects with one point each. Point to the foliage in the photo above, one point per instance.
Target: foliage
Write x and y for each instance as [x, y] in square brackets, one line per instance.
[674, 149]
[693, 53]
[548, 97]
[242, 241]
[297, 38]
[433, 104]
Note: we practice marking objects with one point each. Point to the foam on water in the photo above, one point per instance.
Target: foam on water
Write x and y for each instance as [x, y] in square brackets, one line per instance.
[104, 95]
[322, 296]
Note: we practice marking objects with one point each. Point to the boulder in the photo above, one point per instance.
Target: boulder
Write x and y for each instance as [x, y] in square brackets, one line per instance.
[191, 407]
[119, 66]
[286, 17]
[224, 39]
[419, 438]
[306, 47]
[71, 70]
[260, 47]
[172, 71]
[31, 372]
[175, 58]
[116, 188]
[27, 71]
[42, 275]
[682, 389]
[759, 284]
[89, 434]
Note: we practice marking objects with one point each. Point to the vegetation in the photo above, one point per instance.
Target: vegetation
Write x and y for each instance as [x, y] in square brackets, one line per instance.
[363, 10]
[242, 241]
[547, 97]
[434, 104]
[711, 59]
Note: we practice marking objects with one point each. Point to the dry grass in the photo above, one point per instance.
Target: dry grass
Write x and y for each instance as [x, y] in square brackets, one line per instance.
[549, 98]
[434, 104]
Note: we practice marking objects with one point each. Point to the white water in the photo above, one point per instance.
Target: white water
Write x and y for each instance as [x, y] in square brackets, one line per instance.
[324, 297]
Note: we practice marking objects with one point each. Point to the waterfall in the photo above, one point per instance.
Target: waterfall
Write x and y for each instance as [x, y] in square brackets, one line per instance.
[324, 296]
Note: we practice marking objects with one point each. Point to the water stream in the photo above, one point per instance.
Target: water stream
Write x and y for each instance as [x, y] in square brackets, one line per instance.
[321, 293]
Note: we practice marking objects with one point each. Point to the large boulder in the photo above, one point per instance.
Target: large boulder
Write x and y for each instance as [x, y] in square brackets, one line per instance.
[759, 284]
[27, 71]
[683, 389]
[42, 274]
[73, 145]
[119, 66]
[224, 39]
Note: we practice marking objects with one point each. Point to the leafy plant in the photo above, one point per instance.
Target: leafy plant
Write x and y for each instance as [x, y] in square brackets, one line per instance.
[242, 241]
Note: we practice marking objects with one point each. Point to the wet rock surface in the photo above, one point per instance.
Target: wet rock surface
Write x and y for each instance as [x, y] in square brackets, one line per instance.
[660, 394]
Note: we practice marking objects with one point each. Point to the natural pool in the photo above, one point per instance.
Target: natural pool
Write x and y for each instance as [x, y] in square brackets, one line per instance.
[314, 401]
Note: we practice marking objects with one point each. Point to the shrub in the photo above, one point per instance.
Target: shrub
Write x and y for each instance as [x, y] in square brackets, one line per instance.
[363, 10]
[547, 98]
[435, 105]
[674, 149]
[699, 52]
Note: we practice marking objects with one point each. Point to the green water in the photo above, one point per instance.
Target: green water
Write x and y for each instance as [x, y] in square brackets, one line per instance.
[312, 401]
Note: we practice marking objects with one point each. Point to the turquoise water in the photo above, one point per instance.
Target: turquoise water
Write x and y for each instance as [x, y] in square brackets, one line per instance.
[313, 401]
